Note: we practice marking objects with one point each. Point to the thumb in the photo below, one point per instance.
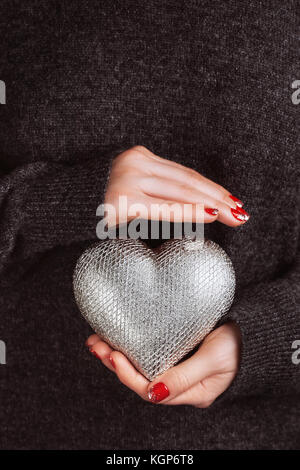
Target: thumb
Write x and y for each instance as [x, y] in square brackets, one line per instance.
[180, 378]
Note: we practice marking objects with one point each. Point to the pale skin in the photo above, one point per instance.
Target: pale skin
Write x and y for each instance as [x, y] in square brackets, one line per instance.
[149, 179]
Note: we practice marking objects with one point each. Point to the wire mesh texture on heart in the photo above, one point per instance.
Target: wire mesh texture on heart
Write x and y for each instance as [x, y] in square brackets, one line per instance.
[154, 305]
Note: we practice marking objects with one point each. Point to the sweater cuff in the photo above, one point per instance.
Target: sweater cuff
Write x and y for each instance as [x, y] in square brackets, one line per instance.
[269, 319]
[62, 202]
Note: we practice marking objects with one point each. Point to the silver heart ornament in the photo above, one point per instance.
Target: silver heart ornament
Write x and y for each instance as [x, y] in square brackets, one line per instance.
[154, 305]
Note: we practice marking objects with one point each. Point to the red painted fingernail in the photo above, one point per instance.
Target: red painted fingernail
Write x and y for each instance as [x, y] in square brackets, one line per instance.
[240, 214]
[112, 362]
[211, 211]
[158, 392]
[236, 200]
[95, 354]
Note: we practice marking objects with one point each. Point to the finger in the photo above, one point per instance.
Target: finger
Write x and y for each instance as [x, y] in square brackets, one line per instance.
[192, 179]
[172, 211]
[182, 377]
[151, 208]
[102, 351]
[92, 340]
[160, 188]
[128, 375]
[197, 396]
[180, 191]
[204, 393]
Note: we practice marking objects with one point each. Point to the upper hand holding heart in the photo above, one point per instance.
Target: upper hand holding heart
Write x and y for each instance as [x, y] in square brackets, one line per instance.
[198, 381]
[146, 179]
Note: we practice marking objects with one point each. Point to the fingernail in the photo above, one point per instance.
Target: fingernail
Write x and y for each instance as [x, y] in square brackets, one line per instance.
[112, 362]
[158, 392]
[211, 211]
[240, 214]
[95, 354]
[236, 200]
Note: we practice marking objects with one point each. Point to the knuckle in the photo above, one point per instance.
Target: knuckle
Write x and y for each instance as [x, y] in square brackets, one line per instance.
[220, 192]
[139, 148]
[193, 172]
[181, 380]
[186, 192]
[227, 364]
[125, 160]
[220, 189]
[192, 180]
[117, 161]
[223, 360]
[132, 158]
[223, 193]
[196, 177]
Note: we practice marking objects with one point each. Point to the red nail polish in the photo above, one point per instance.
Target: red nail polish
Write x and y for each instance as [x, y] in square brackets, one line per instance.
[158, 392]
[236, 200]
[211, 211]
[95, 354]
[240, 214]
[112, 362]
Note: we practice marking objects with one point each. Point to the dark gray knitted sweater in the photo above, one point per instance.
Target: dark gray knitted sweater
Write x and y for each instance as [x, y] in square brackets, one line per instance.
[204, 83]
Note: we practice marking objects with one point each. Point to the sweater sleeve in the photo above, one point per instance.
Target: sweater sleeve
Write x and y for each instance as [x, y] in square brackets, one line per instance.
[269, 318]
[44, 205]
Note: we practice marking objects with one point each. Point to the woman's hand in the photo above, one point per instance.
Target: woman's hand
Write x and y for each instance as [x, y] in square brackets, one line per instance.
[198, 381]
[148, 180]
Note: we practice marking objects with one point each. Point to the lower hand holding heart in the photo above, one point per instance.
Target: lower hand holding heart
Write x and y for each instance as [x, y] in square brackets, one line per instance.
[197, 381]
